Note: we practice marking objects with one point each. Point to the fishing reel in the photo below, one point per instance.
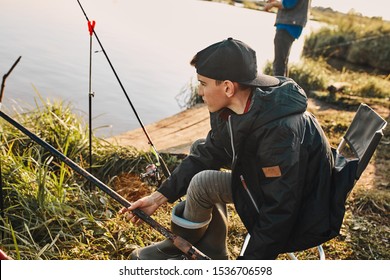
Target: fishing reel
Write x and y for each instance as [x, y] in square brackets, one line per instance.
[152, 175]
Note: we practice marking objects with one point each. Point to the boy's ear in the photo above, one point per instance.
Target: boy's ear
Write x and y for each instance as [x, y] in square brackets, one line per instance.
[229, 88]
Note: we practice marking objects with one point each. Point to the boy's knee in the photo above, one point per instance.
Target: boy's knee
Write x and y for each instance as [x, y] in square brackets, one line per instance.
[196, 187]
[195, 145]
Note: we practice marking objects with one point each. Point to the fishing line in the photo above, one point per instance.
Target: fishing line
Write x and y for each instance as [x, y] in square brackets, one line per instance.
[159, 158]
[347, 43]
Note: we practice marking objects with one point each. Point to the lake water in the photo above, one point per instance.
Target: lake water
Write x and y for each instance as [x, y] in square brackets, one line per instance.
[150, 44]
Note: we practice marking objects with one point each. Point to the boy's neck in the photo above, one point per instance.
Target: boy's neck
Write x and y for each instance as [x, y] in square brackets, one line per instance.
[241, 101]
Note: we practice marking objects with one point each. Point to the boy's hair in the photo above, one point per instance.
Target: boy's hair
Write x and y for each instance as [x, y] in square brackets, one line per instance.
[194, 60]
[240, 86]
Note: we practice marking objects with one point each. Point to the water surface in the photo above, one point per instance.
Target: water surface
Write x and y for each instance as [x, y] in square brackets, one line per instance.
[150, 44]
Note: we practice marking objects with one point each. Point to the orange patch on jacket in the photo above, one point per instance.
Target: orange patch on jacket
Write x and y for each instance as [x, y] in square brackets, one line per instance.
[272, 171]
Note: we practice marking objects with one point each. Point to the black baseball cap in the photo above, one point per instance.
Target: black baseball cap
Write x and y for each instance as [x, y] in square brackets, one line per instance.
[231, 60]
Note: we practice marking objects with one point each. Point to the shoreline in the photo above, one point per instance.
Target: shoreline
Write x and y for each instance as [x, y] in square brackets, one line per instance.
[173, 135]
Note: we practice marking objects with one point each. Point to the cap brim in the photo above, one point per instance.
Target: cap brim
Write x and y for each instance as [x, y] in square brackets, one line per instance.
[262, 81]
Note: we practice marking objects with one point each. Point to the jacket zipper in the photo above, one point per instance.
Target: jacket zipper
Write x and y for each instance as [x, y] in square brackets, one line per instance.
[234, 162]
[249, 193]
[232, 141]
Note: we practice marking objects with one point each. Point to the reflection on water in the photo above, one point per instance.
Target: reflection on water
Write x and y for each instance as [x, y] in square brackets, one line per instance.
[150, 44]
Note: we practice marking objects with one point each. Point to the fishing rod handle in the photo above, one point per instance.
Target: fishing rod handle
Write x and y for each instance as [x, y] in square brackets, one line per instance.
[189, 249]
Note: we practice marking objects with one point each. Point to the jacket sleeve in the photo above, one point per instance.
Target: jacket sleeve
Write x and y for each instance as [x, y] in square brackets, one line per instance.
[206, 156]
[278, 193]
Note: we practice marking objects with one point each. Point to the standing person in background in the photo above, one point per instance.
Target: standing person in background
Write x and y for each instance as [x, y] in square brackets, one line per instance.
[291, 18]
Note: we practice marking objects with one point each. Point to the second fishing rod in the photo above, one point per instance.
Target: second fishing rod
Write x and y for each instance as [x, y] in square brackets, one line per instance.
[160, 160]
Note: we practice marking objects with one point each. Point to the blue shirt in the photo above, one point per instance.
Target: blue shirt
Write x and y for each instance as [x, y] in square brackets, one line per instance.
[294, 30]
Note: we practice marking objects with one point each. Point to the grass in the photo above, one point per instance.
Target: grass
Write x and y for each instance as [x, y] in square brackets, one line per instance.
[49, 211]
[317, 75]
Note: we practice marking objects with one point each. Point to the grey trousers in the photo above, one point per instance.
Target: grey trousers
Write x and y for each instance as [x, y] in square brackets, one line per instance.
[282, 45]
[206, 189]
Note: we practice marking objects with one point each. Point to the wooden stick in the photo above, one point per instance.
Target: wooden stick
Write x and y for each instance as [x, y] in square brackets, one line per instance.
[6, 76]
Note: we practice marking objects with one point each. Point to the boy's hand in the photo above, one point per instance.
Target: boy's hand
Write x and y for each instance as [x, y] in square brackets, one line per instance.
[147, 204]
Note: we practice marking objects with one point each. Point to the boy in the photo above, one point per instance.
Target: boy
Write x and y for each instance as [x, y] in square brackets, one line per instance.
[279, 157]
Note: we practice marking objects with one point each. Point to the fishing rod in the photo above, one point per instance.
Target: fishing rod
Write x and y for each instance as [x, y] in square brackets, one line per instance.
[91, 26]
[183, 245]
[159, 158]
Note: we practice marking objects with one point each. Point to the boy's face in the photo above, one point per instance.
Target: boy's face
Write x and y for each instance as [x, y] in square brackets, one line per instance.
[212, 94]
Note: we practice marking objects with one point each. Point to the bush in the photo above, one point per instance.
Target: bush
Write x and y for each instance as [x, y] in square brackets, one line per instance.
[360, 40]
[310, 75]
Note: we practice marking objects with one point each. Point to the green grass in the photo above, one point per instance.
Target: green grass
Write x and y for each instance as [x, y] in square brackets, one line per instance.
[49, 211]
[317, 75]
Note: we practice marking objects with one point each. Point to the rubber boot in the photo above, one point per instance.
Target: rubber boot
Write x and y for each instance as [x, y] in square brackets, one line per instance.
[214, 241]
[165, 250]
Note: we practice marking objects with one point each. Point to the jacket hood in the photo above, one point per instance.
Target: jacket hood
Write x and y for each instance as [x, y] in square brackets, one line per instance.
[273, 103]
[269, 104]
